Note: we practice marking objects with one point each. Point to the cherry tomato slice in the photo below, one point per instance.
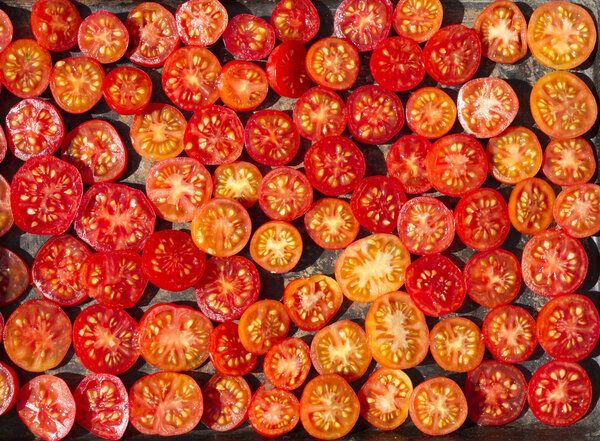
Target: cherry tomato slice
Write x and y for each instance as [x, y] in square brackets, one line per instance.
[227, 400]
[363, 23]
[76, 83]
[201, 22]
[376, 203]
[331, 224]
[6, 215]
[6, 30]
[239, 181]
[577, 210]
[3, 143]
[406, 162]
[333, 63]
[103, 37]
[25, 68]
[456, 344]
[273, 412]
[430, 112]
[242, 85]
[509, 333]
[287, 363]
[127, 90]
[55, 23]
[514, 155]
[157, 132]
[271, 137]
[249, 37]
[417, 19]
[320, 112]
[9, 388]
[397, 63]
[262, 325]
[14, 276]
[569, 161]
[285, 194]
[530, 206]
[296, 20]
[286, 69]
[227, 353]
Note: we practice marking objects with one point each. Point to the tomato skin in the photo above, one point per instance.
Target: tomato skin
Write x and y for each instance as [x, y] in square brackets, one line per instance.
[14, 276]
[227, 400]
[227, 354]
[114, 37]
[514, 155]
[287, 363]
[577, 210]
[271, 137]
[320, 112]
[273, 412]
[242, 85]
[286, 70]
[20, 60]
[285, 194]
[397, 64]
[6, 31]
[430, 112]
[456, 344]
[509, 333]
[323, 71]
[9, 388]
[417, 20]
[55, 23]
[569, 161]
[157, 132]
[210, 13]
[66, 85]
[364, 24]
[127, 90]
[331, 224]
[262, 325]
[406, 162]
[295, 21]
[249, 37]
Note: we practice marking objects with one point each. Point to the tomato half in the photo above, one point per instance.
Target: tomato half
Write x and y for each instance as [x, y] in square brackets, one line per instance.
[127, 90]
[296, 20]
[227, 353]
[242, 85]
[6, 31]
[262, 325]
[333, 63]
[9, 388]
[514, 155]
[397, 63]
[530, 206]
[376, 202]
[14, 276]
[249, 37]
[239, 181]
[3, 143]
[456, 344]
[76, 83]
[25, 68]
[509, 333]
[331, 224]
[273, 412]
[55, 23]
[271, 137]
[577, 210]
[227, 400]
[201, 22]
[285, 194]
[363, 23]
[6, 216]
[406, 162]
[286, 69]
[430, 112]
[417, 19]
[320, 112]
[157, 132]
[103, 37]
[287, 363]
[569, 161]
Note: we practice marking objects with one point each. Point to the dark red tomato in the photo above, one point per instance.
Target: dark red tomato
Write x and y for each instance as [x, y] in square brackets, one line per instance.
[452, 54]
[264, 324]
[9, 388]
[577, 210]
[376, 203]
[227, 400]
[165, 404]
[456, 344]
[56, 270]
[271, 137]
[553, 263]
[6, 30]
[227, 353]
[285, 194]
[425, 225]
[55, 23]
[334, 165]
[103, 339]
[44, 195]
[178, 188]
[153, 34]
[273, 412]
[514, 155]
[509, 333]
[242, 85]
[47, 407]
[333, 63]
[173, 337]
[569, 161]
[435, 284]
[114, 279]
[102, 405]
[157, 132]
[34, 128]
[37, 335]
[25, 68]
[14, 276]
[296, 20]
[320, 112]
[3, 143]
[430, 112]
[363, 23]
[493, 278]
[189, 77]
[406, 162]
[171, 261]
[249, 37]
[6, 216]
[496, 393]
[286, 69]
[76, 83]
[397, 63]
[287, 363]
[239, 181]
[375, 114]
[530, 206]
[127, 90]
[559, 393]
[228, 286]
[103, 37]
[96, 149]
[201, 22]
[331, 224]
[417, 20]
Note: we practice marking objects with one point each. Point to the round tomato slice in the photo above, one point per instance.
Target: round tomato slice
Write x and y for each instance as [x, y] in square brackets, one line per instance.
[333, 63]
[127, 90]
[9, 388]
[296, 20]
[96, 149]
[6, 215]
[514, 155]
[227, 400]
[509, 333]
[376, 203]
[14, 276]
[530, 206]
[286, 69]
[320, 112]
[249, 37]
[285, 194]
[103, 339]
[76, 83]
[6, 30]
[173, 337]
[417, 19]
[331, 224]
[242, 85]
[157, 132]
[37, 335]
[165, 404]
[569, 161]
[262, 325]
[406, 162]
[239, 181]
[456, 344]
[273, 412]
[103, 37]
[397, 63]
[430, 112]
[363, 23]
[55, 23]
[227, 353]
[201, 22]
[25, 68]
[577, 210]
[47, 407]
[287, 363]
[102, 405]
[3, 143]
[271, 137]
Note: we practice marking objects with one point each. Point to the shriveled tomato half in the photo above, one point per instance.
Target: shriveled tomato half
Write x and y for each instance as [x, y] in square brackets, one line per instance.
[226, 402]
[514, 155]
[333, 63]
[76, 83]
[239, 181]
[331, 224]
[249, 37]
[530, 206]
[397, 63]
[6, 30]
[127, 90]
[569, 161]
[285, 194]
[287, 363]
[376, 203]
[273, 412]
[157, 132]
[14, 276]
[430, 112]
[417, 19]
[262, 325]
[3, 143]
[271, 137]
[9, 388]
[242, 85]
[296, 20]
[406, 162]
[201, 22]
[25, 68]
[227, 353]
[509, 333]
[6, 216]
[577, 210]
[55, 23]
[456, 344]
[103, 37]
[320, 112]
[363, 23]
[286, 69]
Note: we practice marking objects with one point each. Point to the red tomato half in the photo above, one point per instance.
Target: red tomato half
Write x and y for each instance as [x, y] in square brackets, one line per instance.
[76, 83]
[376, 203]
[320, 112]
[430, 112]
[577, 210]
[157, 132]
[287, 363]
[55, 23]
[333, 63]
[331, 224]
[271, 137]
[249, 37]
[201, 22]
[417, 20]
[9, 388]
[509, 333]
[285, 194]
[227, 353]
[3, 143]
[262, 325]
[569, 161]
[363, 23]
[296, 20]
[227, 400]
[397, 63]
[103, 37]
[6, 30]
[127, 90]
[25, 68]
[273, 412]
[14, 276]
[406, 162]
[242, 85]
[286, 69]
[6, 216]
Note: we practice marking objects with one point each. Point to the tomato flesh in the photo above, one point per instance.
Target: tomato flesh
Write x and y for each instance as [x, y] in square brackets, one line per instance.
[227, 401]
[320, 112]
[249, 37]
[430, 112]
[285, 194]
[514, 155]
[271, 137]
[417, 19]
[333, 63]
[6, 215]
[296, 20]
[331, 224]
[509, 333]
[530, 206]
[55, 23]
[376, 202]
[239, 181]
[157, 132]
[569, 161]
[127, 90]
[6, 30]
[14, 276]
[227, 353]
[456, 344]
[397, 64]
[286, 69]
[76, 83]
[242, 85]
[406, 162]
[262, 325]
[201, 22]
[363, 23]
[9, 388]
[287, 363]
[273, 412]
[103, 37]
[577, 210]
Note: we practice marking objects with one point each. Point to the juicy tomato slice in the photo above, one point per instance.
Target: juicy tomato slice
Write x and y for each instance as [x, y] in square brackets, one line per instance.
[530, 206]
[153, 34]
[44, 195]
[201, 22]
[214, 135]
[227, 400]
[577, 210]
[417, 19]
[273, 412]
[102, 405]
[249, 37]
[6, 215]
[96, 149]
[55, 23]
[333, 63]
[127, 90]
[456, 344]
[115, 217]
[376, 203]
[34, 128]
[559, 393]
[262, 325]
[165, 404]
[329, 408]
[406, 162]
[569, 161]
[436, 285]
[493, 278]
[221, 227]
[320, 112]
[3, 143]
[103, 339]
[9, 388]
[502, 29]
[37, 335]
[296, 20]
[363, 23]
[561, 35]
[103, 37]
[242, 85]
[115, 279]
[173, 337]
[287, 363]
[514, 155]
[553, 263]
[397, 63]
[6, 30]
[178, 188]
[375, 114]
[189, 77]
[239, 181]
[227, 353]
[456, 164]
[14, 276]
[438, 406]
[285, 194]
[452, 54]
[286, 69]
[496, 393]
[171, 261]
[331, 224]
[56, 270]
[568, 327]
[157, 132]
[509, 333]
[271, 137]
[47, 407]
[227, 288]
[430, 112]
[25, 68]
[371, 267]
[76, 83]
[562, 105]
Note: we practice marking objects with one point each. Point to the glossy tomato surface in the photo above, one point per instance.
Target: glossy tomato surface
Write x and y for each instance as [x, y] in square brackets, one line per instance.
[287, 363]
[376, 202]
[320, 112]
[430, 112]
[417, 20]
[285, 194]
[76, 84]
[14, 276]
[569, 161]
[456, 344]
[127, 90]
[55, 24]
[262, 325]
[530, 206]
[239, 180]
[514, 155]
[295, 20]
[509, 333]
[331, 224]
[9, 388]
[201, 22]
[227, 400]
[271, 137]
[227, 353]
[249, 37]
[333, 63]
[25, 68]
[577, 210]
[286, 69]
[273, 412]
[6, 30]
[157, 132]
[103, 37]
[6, 216]
[363, 23]
[397, 63]
[242, 85]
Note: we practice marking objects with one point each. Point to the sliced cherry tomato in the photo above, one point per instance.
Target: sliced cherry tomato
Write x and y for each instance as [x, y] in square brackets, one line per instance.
[271, 137]
[249, 37]
[6, 30]
[376, 203]
[201, 22]
[3, 143]
[331, 224]
[273, 412]
[127, 90]
[320, 112]
[103, 37]
[417, 19]
[14, 276]
[76, 83]
[296, 20]
[577, 210]
[287, 363]
[262, 325]
[227, 400]
[397, 62]
[173, 337]
[456, 344]
[509, 333]
[9, 388]
[242, 85]
[285, 194]
[286, 69]
[6, 216]
[569, 161]
[363, 23]
[25, 68]
[227, 353]
[406, 162]
[239, 181]
[55, 23]
[333, 63]
[514, 155]
[37, 335]
[157, 132]
[530, 206]
[103, 339]
[430, 112]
